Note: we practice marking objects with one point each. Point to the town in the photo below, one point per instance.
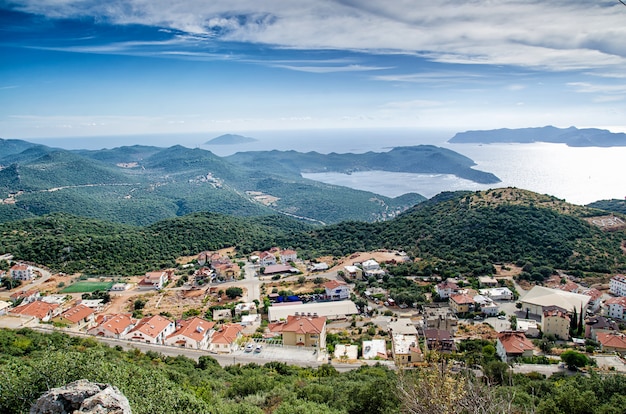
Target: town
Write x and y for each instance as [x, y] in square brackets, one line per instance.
[274, 306]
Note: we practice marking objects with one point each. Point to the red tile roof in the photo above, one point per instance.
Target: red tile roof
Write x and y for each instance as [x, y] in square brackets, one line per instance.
[77, 313]
[38, 309]
[515, 342]
[228, 334]
[116, 323]
[616, 301]
[152, 326]
[333, 284]
[612, 340]
[556, 312]
[24, 294]
[194, 328]
[595, 294]
[300, 324]
[462, 299]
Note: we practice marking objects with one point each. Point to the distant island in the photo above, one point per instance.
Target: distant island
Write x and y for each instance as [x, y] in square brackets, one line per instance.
[230, 139]
[572, 136]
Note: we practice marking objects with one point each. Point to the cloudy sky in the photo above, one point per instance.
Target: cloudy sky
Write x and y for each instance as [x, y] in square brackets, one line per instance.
[93, 67]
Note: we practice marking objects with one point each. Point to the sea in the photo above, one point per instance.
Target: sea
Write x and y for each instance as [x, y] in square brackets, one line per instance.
[574, 174]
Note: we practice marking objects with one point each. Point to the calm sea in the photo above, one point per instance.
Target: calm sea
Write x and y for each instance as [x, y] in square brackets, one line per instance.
[577, 175]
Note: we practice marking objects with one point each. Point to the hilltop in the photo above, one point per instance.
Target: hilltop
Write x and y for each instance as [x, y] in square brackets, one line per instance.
[230, 139]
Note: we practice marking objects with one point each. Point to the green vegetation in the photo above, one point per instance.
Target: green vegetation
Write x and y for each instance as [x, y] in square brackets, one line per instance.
[31, 363]
[80, 287]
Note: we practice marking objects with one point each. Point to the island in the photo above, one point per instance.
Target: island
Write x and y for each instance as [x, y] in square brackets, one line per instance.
[572, 136]
[230, 139]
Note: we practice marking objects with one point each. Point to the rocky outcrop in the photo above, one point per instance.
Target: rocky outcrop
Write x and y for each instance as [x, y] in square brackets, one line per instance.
[82, 396]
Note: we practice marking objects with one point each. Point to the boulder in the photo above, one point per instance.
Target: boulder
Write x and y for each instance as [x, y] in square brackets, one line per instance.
[82, 396]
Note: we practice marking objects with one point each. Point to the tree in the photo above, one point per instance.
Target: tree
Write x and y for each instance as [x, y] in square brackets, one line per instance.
[233, 292]
[301, 280]
[574, 359]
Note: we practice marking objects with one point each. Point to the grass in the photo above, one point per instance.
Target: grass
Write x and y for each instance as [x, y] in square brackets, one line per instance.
[83, 287]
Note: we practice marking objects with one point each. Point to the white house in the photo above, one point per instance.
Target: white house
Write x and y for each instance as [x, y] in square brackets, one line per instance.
[151, 329]
[617, 285]
[192, 333]
[225, 339]
[21, 272]
[353, 272]
[596, 299]
[336, 290]
[372, 268]
[446, 288]
[615, 308]
[513, 344]
[155, 280]
[267, 259]
[287, 256]
[113, 326]
[499, 293]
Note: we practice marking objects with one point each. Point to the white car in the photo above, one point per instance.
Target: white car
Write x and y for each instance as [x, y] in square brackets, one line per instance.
[249, 348]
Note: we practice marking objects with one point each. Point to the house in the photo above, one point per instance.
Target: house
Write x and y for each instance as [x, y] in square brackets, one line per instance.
[21, 272]
[461, 303]
[318, 267]
[617, 285]
[596, 299]
[402, 326]
[375, 349]
[487, 306]
[302, 331]
[372, 268]
[597, 324]
[225, 339]
[346, 352]
[267, 259]
[151, 329]
[353, 272]
[406, 349]
[279, 268]
[539, 297]
[439, 340]
[336, 290]
[568, 286]
[287, 256]
[612, 342]
[120, 287]
[487, 281]
[192, 333]
[4, 307]
[513, 344]
[246, 308]
[37, 309]
[331, 310]
[446, 288]
[95, 304]
[113, 326]
[78, 317]
[440, 317]
[155, 280]
[25, 296]
[498, 293]
[226, 271]
[555, 321]
[615, 308]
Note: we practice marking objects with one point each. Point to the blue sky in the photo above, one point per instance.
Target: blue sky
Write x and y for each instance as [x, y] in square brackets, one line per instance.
[93, 68]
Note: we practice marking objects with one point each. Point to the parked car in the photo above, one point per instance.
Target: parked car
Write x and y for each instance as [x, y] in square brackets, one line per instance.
[258, 349]
[249, 348]
[501, 317]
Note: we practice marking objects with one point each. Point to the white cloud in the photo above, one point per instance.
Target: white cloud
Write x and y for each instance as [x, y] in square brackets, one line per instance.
[546, 34]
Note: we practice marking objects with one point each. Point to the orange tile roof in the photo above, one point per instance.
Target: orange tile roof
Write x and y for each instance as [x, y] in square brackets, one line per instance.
[616, 301]
[24, 294]
[300, 324]
[612, 340]
[227, 334]
[333, 284]
[194, 328]
[38, 309]
[116, 323]
[462, 298]
[151, 326]
[595, 294]
[556, 312]
[77, 313]
[515, 342]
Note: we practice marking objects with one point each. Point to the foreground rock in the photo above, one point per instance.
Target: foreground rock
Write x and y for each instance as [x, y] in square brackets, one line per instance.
[82, 396]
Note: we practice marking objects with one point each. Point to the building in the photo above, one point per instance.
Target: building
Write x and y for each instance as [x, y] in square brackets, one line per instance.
[40, 310]
[372, 268]
[597, 324]
[486, 305]
[406, 349]
[513, 344]
[375, 349]
[353, 272]
[330, 310]
[596, 299]
[612, 342]
[440, 317]
[4, 307]
[120, 287]
[617, 285]
[487, 281]
[21, 272]
[78, 317]
[267, 259]
[615, 308]
[302, 331]
[25, 296]
[222, 314]
[336, 290]
[288, 255]
[224, 340]
[245, 308]
[192, 333]
[498, 293]
[539, 297]
[155, 280]
[439, 340]
[461, 303]
[151, 329]
[113, 326]
[446, 288]
[556, 321]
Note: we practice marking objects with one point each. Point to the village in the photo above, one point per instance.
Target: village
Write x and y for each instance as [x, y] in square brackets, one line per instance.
[274, 306]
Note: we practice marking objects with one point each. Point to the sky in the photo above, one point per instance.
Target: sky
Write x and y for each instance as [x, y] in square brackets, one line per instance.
[78, 68]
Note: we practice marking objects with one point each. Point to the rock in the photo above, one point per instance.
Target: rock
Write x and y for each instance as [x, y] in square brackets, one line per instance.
[82, 396]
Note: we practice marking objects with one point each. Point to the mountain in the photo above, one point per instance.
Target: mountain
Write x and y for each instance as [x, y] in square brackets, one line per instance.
[143, 184]
[572, 136]
[426, 159]
[230, 139]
